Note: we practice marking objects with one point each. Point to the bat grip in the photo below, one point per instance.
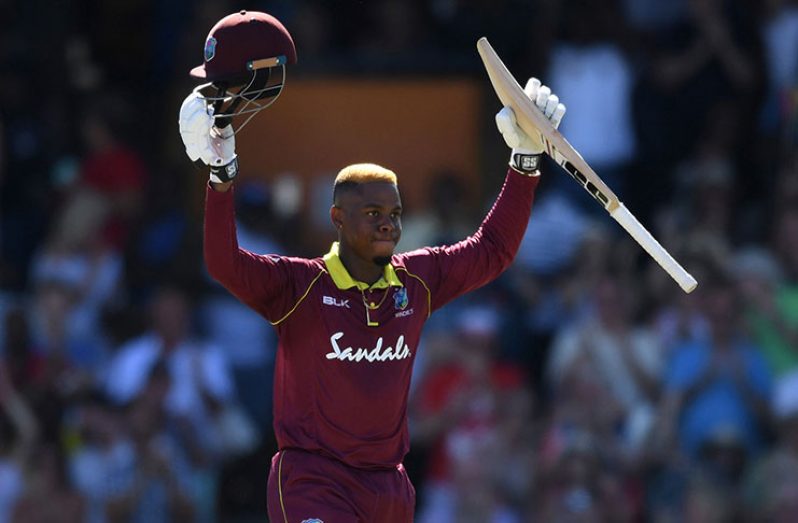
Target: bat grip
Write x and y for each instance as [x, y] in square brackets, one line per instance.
[636, 230]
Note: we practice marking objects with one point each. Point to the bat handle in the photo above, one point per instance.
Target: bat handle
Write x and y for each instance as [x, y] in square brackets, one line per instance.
[636, 230]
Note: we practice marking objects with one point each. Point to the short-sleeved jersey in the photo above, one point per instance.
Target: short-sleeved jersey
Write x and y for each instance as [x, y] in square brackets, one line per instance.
[346, 349]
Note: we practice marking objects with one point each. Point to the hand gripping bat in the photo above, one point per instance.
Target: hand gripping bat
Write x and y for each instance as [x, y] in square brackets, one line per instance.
[533, 122]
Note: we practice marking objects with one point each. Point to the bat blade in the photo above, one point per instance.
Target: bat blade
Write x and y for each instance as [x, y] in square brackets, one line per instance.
[534, 123]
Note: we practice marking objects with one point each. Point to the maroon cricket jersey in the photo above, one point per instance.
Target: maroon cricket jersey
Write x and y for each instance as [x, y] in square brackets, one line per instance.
[343, 369]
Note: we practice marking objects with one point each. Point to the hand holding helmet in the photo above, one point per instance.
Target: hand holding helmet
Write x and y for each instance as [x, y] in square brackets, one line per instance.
[204, 141]
[244, 63]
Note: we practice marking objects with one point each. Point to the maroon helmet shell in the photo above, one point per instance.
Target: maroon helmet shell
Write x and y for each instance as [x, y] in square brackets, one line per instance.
[240, 38]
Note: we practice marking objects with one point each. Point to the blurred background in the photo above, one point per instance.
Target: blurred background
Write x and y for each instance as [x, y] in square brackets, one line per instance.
[582, 386]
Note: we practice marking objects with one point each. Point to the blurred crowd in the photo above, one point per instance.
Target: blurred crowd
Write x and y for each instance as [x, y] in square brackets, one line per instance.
[582, 386]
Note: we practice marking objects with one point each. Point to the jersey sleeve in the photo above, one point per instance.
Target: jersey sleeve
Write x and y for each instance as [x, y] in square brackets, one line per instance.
[452, 270]
[263, 282]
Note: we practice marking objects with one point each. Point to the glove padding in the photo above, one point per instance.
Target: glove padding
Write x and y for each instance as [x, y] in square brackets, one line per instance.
[204, 141]
[526, 149]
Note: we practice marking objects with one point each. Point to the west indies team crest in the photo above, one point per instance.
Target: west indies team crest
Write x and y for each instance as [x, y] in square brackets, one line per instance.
[210, 49]
[400, 300]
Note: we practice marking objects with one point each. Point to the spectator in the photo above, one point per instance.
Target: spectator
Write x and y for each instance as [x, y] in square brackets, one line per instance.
[150, 480]
[588, 63]
[768, 309]
[67, 333]
[576, 487]
[772, 485]
[718, 387]
[626, 360]
[201, 395]
[100, 447]
[458, 415]
[713, 55]
[112, 169]
[75, 275]
[447, 216]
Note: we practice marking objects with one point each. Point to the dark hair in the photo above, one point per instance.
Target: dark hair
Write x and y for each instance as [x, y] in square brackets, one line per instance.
[346, 186]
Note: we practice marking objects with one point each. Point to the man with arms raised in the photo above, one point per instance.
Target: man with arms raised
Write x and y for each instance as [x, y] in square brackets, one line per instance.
[349, 322]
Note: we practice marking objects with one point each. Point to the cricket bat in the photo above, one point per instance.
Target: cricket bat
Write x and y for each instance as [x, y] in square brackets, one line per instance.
[533, 122]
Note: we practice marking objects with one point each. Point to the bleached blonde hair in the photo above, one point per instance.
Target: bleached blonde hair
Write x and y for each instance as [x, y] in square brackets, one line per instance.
[364, 173]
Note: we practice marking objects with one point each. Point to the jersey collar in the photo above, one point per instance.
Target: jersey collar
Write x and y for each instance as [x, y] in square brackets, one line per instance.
[343, 280]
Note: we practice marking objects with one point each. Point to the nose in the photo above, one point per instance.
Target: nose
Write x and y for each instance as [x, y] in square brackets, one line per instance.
[387, 224]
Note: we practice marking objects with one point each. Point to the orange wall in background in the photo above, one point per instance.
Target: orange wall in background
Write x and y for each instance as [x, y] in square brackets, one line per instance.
[414, 127]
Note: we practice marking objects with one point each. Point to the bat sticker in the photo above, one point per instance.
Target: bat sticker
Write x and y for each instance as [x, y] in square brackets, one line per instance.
[587, 184]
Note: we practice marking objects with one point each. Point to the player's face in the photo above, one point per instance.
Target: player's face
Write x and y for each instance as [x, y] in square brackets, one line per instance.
[369, 218]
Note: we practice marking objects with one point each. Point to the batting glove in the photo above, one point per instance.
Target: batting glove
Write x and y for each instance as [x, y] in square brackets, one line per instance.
[205, 142]
[527, 150]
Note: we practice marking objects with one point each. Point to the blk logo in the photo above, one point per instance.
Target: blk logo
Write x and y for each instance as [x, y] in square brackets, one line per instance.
[329, 300]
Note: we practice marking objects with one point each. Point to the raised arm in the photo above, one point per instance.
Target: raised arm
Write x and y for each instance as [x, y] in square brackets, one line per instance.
[456, 269]
[261, 281]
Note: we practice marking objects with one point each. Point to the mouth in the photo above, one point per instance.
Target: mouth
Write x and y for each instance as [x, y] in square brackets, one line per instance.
[384, 242]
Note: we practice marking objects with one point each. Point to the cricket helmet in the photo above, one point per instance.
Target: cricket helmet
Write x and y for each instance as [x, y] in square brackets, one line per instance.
[245, 56]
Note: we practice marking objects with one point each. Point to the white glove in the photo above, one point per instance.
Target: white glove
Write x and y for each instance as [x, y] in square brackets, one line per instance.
[205, 142]
[526, 149]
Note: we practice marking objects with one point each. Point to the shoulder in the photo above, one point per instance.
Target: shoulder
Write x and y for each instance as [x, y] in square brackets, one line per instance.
[295, 264]
[418, 264]
[296, 261]
[415, 260]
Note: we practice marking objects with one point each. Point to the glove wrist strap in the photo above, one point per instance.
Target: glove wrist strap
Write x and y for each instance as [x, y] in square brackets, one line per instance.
[526, 164]
[225, 173]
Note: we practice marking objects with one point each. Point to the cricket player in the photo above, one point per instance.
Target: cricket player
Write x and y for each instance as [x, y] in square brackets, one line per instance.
[349, 322]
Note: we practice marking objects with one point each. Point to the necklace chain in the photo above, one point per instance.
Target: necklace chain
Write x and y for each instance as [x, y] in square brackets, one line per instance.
[370, 307]
[377, 306]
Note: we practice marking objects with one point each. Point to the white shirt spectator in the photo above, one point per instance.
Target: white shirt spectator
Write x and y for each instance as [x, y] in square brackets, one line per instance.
[582, 75]
[194, 367]
[605, 352]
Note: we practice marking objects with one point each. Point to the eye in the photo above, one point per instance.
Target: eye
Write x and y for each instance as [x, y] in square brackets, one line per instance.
[372, 214]
[396, 215]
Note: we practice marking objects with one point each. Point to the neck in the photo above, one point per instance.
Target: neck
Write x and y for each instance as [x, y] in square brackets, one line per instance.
[361, 270]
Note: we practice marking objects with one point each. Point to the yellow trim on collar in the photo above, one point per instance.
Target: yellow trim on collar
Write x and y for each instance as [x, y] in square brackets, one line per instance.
[343, 280]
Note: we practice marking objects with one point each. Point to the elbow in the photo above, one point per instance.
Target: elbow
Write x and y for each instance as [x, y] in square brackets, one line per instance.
[500, 254]
[507, 259]
[217, 272]
[504, 256]
[217, 267]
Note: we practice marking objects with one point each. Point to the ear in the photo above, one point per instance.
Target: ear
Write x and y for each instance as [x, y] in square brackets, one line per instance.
[337, 217]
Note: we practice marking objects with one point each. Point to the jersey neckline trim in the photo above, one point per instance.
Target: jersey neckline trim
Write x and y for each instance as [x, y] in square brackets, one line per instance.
[343, 280]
